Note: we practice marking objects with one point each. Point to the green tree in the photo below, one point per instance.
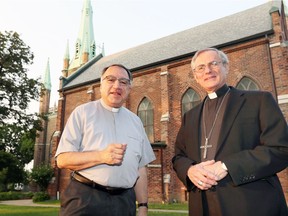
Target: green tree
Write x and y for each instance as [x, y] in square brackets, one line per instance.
[42, 175]
[10, 170]
[17, 126]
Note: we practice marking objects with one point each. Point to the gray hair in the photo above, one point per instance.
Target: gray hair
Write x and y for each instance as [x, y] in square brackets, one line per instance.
[221, 54]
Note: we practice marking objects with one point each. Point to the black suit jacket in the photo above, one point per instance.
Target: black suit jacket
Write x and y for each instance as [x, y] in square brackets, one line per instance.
[253, 144]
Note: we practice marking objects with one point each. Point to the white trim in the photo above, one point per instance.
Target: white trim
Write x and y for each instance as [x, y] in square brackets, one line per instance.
[165, 117]
[275, 45]
[154, 165]
[164, 73]
[57, 134]
[282, 99]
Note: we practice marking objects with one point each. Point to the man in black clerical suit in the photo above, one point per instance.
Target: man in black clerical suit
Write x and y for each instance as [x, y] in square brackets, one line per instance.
[230, 147]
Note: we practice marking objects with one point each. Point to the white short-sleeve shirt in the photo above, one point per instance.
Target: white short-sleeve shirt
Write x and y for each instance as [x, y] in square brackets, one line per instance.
[93, 126]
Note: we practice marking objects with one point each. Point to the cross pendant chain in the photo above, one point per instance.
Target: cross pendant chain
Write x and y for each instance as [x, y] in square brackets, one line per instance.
[205, 148]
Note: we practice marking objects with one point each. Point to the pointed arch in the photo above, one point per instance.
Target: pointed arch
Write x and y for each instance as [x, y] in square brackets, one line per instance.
[247, 83]
[189, 100]
[146, 114]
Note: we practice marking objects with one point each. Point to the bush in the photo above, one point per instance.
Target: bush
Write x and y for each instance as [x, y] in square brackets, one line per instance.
[40, 196]
[12, 195]
[42, 175]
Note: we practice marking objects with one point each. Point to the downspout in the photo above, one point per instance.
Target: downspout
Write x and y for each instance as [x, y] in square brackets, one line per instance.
[162, 177]
[271, 70]
[61, 130]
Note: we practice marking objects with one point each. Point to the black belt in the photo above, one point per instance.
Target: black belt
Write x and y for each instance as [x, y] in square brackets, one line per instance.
[82, 179]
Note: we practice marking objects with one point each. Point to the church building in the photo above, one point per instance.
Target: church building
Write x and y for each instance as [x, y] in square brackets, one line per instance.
[164, 88]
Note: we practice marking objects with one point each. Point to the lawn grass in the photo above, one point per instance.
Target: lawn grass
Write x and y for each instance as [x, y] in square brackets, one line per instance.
[50, 202]
[167, 206]
[11, 210]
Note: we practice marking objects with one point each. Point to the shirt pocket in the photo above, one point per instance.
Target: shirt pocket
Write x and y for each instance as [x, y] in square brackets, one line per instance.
[134, 147]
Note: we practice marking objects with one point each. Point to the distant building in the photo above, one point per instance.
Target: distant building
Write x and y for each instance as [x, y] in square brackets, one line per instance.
[255, 41]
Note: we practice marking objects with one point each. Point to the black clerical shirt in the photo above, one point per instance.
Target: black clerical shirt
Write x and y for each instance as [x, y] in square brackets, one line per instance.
[210, 109]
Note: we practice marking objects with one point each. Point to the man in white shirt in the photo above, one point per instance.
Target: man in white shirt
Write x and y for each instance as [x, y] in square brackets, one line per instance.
[106, 147]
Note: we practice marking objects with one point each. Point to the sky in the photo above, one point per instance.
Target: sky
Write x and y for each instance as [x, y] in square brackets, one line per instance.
[46, 26]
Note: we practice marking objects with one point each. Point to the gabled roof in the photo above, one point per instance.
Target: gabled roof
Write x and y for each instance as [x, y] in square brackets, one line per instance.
[245, 25]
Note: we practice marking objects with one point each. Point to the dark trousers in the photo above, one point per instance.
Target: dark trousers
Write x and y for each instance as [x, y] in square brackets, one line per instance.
[81, 200]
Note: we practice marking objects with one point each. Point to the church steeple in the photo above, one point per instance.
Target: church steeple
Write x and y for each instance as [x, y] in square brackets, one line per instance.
[47, 78]
[66, 61]
[40, 143]
[85, 47]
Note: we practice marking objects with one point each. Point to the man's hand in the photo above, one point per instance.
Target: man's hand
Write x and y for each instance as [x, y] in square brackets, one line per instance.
[217, 170]
[201, 177]
[114, 154]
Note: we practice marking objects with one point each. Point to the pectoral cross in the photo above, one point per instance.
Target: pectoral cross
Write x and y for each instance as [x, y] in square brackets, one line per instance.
[205, 148]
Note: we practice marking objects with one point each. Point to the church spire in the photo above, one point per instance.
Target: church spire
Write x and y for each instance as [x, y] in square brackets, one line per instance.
[85, 44]
[66, 60]
[103, 50]
[40, 143]
[47, 78]
[66, 55]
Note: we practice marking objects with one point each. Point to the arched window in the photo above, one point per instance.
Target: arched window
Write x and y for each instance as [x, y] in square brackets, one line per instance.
[247, 84]
[190, 99]
[145, 112]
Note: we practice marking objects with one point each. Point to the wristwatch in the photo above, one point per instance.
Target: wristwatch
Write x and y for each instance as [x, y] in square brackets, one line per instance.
[143, 205]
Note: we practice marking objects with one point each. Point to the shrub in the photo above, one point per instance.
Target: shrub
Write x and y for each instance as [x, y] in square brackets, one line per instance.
[40, 196]
[42, 175]
[12, 195]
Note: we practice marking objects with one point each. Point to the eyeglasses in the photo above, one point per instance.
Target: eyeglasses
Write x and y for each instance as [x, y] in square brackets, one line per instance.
[112, 79]
[201, 68]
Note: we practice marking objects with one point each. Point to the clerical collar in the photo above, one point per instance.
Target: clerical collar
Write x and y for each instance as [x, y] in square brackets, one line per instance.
[112, 109]
[220, 92]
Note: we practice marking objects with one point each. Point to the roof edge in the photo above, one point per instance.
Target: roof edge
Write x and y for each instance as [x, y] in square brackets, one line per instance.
[80, 70]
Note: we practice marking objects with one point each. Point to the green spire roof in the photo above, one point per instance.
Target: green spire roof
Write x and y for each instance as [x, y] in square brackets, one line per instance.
[47, 79]
[66, 55]
[85, 42]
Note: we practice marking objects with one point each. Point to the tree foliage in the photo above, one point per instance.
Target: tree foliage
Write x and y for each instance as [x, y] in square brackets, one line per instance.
[10, 170]
[17, 126]
[42, 175]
